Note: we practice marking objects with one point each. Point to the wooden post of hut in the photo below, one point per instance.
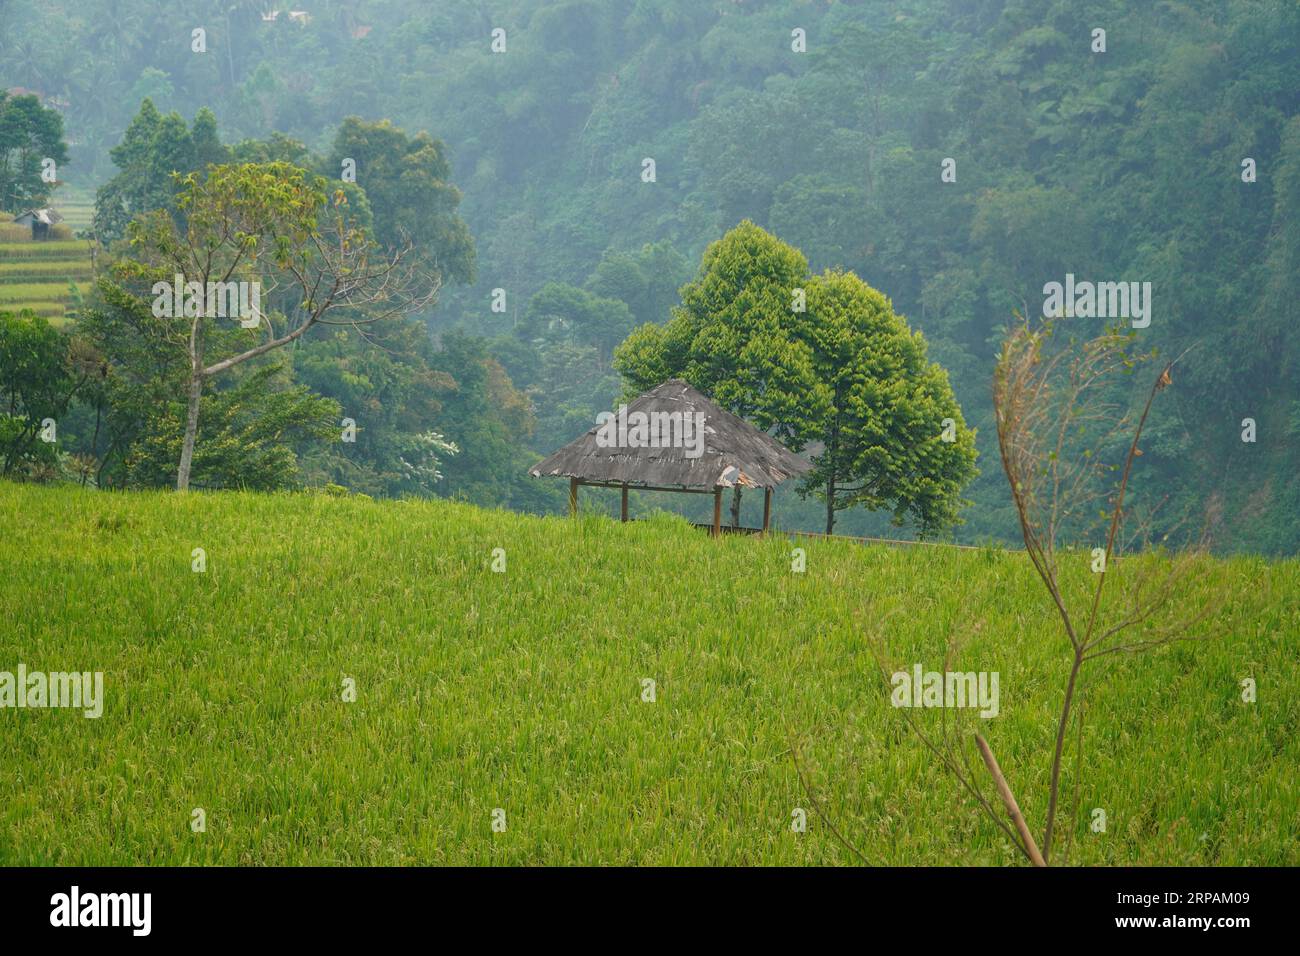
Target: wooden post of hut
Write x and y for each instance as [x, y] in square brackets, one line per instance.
[719, 451]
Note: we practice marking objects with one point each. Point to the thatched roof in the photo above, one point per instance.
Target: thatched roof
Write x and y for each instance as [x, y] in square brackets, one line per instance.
[734, 451]
[46, 216]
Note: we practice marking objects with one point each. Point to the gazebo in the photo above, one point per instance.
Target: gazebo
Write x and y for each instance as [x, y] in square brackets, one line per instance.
[672, 438]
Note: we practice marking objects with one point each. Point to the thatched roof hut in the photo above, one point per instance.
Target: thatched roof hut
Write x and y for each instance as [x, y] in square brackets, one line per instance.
[672, 438]
[40, 220]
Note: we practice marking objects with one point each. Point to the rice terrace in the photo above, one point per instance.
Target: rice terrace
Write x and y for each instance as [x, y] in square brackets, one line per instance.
[523, 690]
[690, 448]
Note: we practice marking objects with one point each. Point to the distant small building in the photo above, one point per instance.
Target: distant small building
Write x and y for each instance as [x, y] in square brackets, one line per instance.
[297, 16]
[40, 220]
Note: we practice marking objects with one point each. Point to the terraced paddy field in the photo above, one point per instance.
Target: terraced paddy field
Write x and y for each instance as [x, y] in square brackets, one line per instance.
[357, 682]
[77, 206]
[48, 277]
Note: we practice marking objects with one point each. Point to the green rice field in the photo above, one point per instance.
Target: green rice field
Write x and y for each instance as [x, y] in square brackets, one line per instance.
[40, 275]
[525, 691]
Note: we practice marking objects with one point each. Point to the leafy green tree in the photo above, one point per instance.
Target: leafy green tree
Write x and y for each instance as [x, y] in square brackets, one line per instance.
[744, 149]
[563, 312]
[276, 148]
[41, 372]
[646, 281]
[490, 421]
[567, 384]
[385, 384]
[879, 64]
[206, 141]
[822, 216]
[264, 225]
[155, 150]
[892, 435]
[153, 85]
[258, 423]
[252, 430]
[407, 180]
[29, 133]
[736, 335]
[823, 362]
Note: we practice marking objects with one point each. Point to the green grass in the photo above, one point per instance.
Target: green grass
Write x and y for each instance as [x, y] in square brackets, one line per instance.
[522, 690]
[36, 291]
[35, 269]
[47, 249]
[48, 309]
[77, 206]
[36, 276]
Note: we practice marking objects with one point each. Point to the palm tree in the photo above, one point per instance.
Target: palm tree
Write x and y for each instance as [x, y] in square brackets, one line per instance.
[119, 36]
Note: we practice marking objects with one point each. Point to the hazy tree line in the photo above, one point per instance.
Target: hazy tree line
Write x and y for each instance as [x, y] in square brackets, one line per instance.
[1125, 164]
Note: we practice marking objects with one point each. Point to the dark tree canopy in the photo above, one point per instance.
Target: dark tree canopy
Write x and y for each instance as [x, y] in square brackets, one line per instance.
[29, 134]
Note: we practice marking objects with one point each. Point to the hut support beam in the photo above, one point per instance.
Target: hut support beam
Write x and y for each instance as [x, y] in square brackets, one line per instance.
[677, 489]
[715, 530]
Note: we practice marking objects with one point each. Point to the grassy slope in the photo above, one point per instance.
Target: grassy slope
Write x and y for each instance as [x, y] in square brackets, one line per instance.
[522, 690]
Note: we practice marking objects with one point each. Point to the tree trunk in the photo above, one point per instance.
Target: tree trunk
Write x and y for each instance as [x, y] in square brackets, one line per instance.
[230, 49]
[830, 458]
[735, 507]
[191, 431]
[830, 505]
[94, 447]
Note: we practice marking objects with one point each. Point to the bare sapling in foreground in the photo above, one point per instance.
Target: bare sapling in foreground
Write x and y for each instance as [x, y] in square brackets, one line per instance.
[1060, 412]
[1068, 437]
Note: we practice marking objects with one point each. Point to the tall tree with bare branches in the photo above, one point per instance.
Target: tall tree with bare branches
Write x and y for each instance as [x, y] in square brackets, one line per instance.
[275, 227]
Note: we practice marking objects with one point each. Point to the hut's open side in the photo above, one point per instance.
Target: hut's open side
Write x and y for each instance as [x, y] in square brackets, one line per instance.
[734, 454]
